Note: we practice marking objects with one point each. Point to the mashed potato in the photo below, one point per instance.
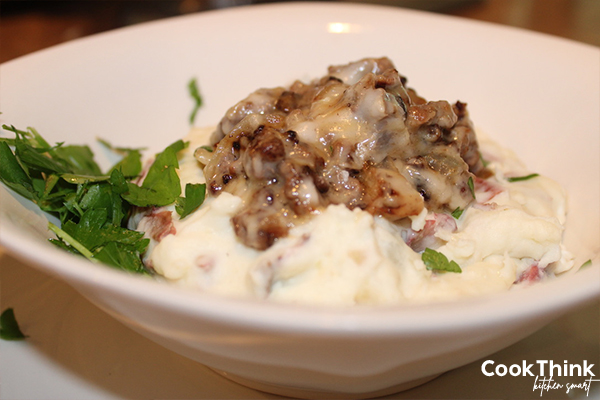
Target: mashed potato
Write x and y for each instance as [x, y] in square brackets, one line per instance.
[511, 234]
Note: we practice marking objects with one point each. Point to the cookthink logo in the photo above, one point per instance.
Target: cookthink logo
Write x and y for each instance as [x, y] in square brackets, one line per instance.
[544, 372]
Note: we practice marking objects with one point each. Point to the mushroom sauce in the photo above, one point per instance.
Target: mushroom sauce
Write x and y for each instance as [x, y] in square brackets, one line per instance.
[335, 191]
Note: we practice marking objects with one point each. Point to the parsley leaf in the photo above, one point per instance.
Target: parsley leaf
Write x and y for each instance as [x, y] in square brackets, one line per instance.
[521, 178]
[121, 256]
[77, 159]
[69, 243]
[13, 175]
[9, 328]
[194, 197]
[131, 163]
[35, 158]
[471, 186]
[436, 261]
[97, 239]
[195, 94]
[94, 230]
[457, 212]
[161, 186]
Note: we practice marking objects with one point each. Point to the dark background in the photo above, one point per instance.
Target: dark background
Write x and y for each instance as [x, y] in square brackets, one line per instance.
[27, 26]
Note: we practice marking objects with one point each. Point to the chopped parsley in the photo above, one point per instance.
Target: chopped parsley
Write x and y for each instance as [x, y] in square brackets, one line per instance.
[471, 185]
[521, 178]
[195, 94]
[93, 206]
[438, 262]
[194, 197]
[161, 186]
[457, 212]
[9, 328]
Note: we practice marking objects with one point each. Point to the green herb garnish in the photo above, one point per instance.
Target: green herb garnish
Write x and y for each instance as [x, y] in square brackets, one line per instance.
[98, 240]
[195, 94]
[9, 328]
[471, 185]
[436, 261]
[586, 264]
[93, 207]
[457, 212]
[161, 185]
[131, 163]
[521, 178]
[194, 197]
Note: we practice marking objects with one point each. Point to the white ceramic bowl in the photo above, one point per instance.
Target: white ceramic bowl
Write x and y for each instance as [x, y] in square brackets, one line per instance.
[536, 94]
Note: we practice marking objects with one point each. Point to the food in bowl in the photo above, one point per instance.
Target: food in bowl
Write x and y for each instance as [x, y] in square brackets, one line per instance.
[350, 189]
[353, 189]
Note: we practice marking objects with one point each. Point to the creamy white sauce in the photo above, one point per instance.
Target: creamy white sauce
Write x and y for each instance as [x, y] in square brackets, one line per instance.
[345, 257]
